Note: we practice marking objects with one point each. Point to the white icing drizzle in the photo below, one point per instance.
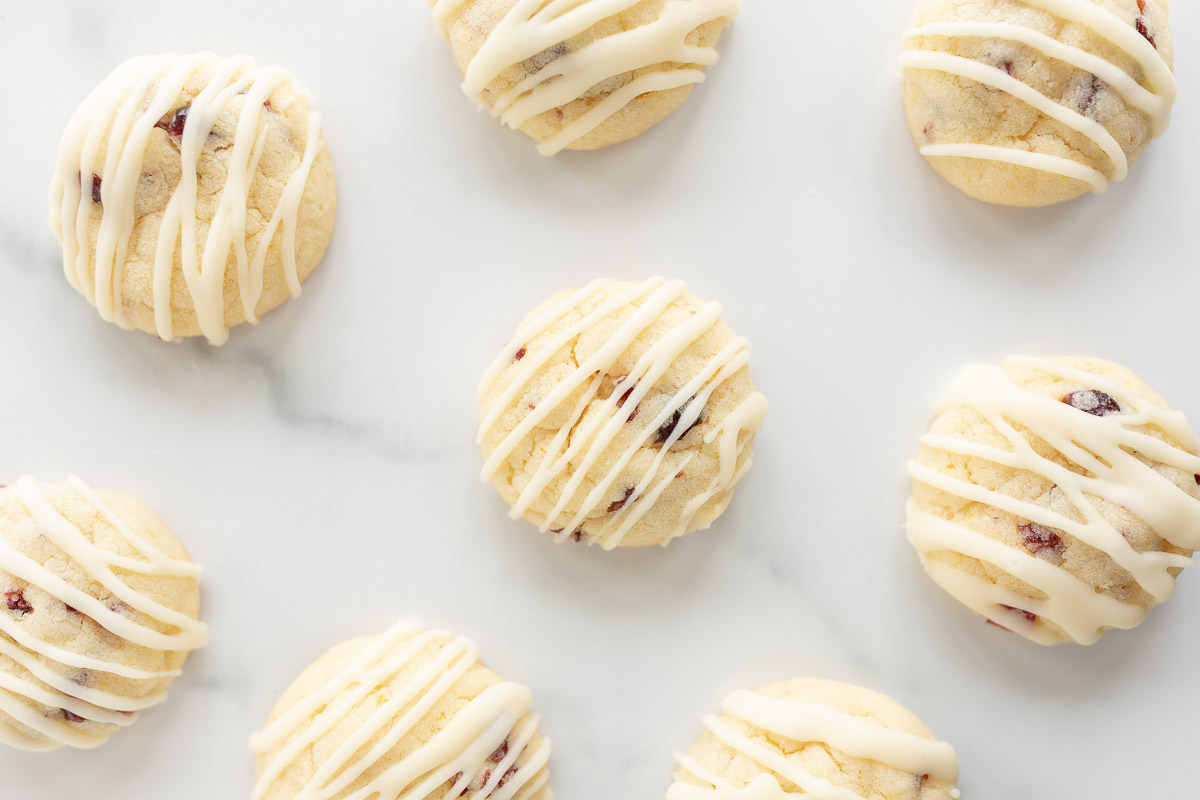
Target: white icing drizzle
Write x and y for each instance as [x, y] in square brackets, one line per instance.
[458, 753]
[535, 27]
[589, 441]
[1105, 446]
[857, 737]
[49, 687]
[1103, 22]
[125, 108]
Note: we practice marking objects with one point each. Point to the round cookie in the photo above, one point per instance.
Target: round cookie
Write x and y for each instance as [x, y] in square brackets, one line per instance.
[815, 738]
[1058, 497]
[620, 414]
[582, 74]
[406, 713]
[192, 194]
[1034, 102]
[99, 612]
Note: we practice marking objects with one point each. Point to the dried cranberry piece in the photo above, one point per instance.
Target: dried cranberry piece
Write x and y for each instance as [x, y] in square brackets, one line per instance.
[96, 196]
[17, 601]
[618, 505]
[625, 396]
[520, 354]
[173, 124]
[69, 717]
[1197, 480]
[1145, 32]
[577, 536]
[1093, 402]
[500, 753]
[665, 430]
[1043, 542]
[1029, 615]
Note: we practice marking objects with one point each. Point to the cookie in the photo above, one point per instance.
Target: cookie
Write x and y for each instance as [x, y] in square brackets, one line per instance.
[620, 414]
[99, 611]
[1057, 497]
[1034, 102]
[582, 74]
[815, 738]
[408, 713]
[192, 194]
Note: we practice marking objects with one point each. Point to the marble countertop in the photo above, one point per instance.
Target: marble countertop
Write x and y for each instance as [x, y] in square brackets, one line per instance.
[322, 466]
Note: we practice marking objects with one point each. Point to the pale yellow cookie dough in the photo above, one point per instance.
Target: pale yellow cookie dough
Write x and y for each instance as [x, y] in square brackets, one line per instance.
[1158, 477]
[412, 668]
[70, 680]
[945, 108]
[736, 767]
[616, 455]
[471, 23]
[278, 140]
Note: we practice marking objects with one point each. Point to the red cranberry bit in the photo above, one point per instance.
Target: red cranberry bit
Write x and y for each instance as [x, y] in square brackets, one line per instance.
[625, 396]
[506, 777]
[665, 430]
[520, 354]
[618, 505]
[1043, 542]
[17, 602]
[69, 717]
[1197, 480]
[1008, 66]
[577, 536]
[174, 124]
[1145, 32]
[1029, 615]
[1089, 102]
[96, 196]
[500, 753]
[1093, 402]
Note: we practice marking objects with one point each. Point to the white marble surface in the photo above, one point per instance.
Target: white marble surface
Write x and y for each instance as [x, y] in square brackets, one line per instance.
[322, 466]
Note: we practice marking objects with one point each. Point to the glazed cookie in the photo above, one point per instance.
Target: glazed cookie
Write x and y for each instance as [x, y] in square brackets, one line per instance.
[192, 194]
[815, 738]
[620, 414]
[1057, 497]
[1033, 102]
[100, 611]
[408, 713]
[582, 74]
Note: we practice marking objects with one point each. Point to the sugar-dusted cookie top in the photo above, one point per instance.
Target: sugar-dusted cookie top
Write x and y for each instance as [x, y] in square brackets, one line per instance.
[98, 611]
[817, 739]
[1057, 497]
[582, 74]
[1033, 102]
[192, 194]
[620, 414]
[407, 713]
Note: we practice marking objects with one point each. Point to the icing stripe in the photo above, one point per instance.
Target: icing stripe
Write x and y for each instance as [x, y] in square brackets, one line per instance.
[1110, 450]
[125, 109]
[47, 686]
[456, 755]
[579, 445]
[1099, 20]
[534, 29]
[805, 722]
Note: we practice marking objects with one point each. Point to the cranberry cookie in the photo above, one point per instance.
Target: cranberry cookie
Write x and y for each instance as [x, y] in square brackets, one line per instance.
[582, 74]
[99, 612]
[1033, 102]
[192, 194]
[1057, 497]
[408, 713]
[815, 738]
[620, 414]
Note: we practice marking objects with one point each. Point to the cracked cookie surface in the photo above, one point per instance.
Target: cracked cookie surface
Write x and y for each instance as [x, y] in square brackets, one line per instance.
[1034, 102]
[621, 414]
[192, 194]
